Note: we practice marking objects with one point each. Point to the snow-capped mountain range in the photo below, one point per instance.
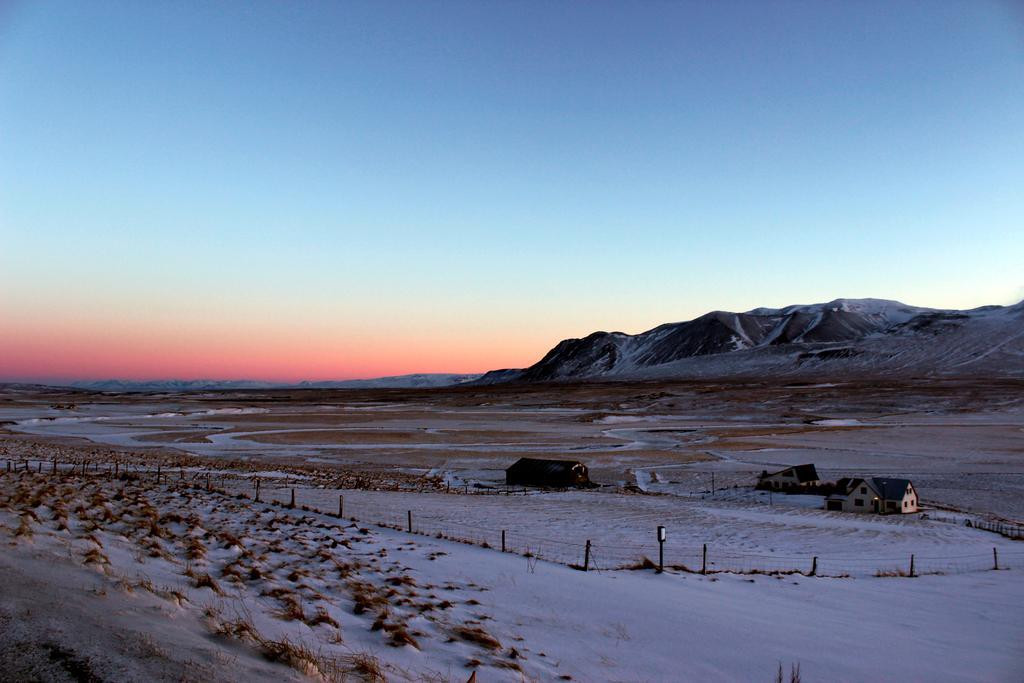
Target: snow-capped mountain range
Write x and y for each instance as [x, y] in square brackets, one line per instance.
[845, 336]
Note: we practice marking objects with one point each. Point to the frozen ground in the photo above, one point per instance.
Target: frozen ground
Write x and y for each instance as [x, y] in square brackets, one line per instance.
[327, 597]
[961, 442]
[124, 580]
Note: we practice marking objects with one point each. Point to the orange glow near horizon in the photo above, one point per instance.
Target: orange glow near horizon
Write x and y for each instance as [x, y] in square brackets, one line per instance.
[266, 331]
[68, 351]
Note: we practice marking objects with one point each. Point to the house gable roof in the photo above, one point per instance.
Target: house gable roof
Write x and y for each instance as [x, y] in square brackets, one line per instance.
[890, 489]
[886, 488]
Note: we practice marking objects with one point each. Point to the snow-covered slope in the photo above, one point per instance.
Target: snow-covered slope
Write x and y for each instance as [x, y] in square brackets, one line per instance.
[861, 336]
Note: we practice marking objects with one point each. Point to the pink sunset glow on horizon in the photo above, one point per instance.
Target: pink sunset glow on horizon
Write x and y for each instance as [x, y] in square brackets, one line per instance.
[67, 343]
[145, 355]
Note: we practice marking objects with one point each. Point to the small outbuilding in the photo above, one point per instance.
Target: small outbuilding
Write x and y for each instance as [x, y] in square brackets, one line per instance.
[880, 495]
[541, 472]
[790, 479]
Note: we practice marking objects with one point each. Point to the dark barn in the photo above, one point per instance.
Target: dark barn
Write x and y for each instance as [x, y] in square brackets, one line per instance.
[539, 472]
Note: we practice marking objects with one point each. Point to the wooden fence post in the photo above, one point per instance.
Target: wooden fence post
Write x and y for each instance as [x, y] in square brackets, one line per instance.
[54, 470]
[341, 506]
[410, 521]
[661, 549]
[257, 489]
[292, 503]
[586, 557]
[502, 540]
[995, 559]
[814, 566]
[911, 564]
[704, 560]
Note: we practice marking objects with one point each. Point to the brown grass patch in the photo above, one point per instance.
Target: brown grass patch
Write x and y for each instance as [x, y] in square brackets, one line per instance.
[291, 609]
[322, 617]
[477, 636]
[207, 581]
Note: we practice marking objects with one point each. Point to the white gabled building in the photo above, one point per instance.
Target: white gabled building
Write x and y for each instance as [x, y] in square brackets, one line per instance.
[880, 495]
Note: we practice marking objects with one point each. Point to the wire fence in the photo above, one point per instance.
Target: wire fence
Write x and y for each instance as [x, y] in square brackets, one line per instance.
[1003, 529]
[707, 558]
[585, 554]
[597, 554]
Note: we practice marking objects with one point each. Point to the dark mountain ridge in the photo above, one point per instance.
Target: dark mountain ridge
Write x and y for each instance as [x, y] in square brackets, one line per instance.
[864, 336]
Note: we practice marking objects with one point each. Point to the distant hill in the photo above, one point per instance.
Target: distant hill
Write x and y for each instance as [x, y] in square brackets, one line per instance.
[170, 385]
[420, 381]
[180, 386]
[867, 337]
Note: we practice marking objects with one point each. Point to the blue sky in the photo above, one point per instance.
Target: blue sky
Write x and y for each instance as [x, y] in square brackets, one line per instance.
[486, 178]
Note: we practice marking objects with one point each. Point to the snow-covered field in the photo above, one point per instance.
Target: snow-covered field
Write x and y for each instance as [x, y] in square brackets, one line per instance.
[128, 580]
[740, 529]
[358, 596]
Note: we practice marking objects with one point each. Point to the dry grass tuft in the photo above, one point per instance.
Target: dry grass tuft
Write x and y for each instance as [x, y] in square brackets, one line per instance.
[322, 617]
[96, 556]
[172, 595]
[643, 563]
[794, 674]
[207, 581]
[240, 629]
[478, 636]
[24, 529]
[401, 581]
[400, 637]
[891, 573]
[365, 597]
[194, 548]
[367, 666]
[291, 609]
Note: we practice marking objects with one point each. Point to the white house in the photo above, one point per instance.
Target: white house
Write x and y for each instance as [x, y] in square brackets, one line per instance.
[880, 495]
[791, 478]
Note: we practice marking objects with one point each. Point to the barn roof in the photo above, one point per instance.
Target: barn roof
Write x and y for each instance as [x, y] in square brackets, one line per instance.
[804, 473]
[544, 465]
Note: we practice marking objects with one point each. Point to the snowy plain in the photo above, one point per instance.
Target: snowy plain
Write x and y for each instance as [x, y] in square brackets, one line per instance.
[657, 450]
[560, 622]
